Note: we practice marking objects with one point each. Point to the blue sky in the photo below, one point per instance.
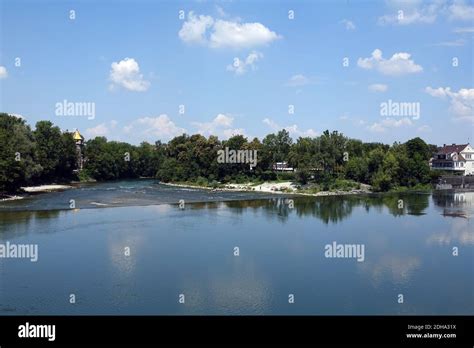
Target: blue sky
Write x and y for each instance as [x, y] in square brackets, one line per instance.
[239, 66]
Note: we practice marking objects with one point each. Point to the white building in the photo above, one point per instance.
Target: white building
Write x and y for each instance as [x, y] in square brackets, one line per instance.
[282, 167]
[455, 158]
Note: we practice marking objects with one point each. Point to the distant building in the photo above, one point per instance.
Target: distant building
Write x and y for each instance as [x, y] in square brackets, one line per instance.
[79, 139]
[282, 167]
[455, 158]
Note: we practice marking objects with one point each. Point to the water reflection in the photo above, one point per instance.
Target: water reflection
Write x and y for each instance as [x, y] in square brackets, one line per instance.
[454, 204]
[398, 269]
[244, 289]
[331, 209]
[460, 232]
[408, 241]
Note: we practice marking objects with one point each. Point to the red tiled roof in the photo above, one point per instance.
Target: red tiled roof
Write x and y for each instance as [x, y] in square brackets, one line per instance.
[447, 149]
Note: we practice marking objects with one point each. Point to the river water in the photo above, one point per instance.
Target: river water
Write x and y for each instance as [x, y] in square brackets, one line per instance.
[127, 247]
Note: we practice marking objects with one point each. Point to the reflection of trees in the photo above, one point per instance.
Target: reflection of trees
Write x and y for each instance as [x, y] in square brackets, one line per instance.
[335, 208]
[329, 209]
[17, 223]
[416, 203]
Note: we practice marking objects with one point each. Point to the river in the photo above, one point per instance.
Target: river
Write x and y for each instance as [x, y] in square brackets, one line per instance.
[128, 247]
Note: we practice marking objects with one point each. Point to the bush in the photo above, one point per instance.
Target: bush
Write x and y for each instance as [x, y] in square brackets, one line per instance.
[200, 181]
[382, 181]
[344, 185]
[84, 176]
[241, 179]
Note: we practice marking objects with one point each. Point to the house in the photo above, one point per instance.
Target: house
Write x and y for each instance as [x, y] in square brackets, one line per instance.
[455, 158]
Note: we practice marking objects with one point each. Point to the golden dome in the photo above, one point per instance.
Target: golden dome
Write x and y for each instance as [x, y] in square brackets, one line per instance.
[77, 136]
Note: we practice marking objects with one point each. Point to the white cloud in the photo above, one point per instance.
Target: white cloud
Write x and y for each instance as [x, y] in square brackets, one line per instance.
[403, 12]
[378, 87]
[126, 74]
[411, 12]
[237, 35]
[292, 129]
[240, 66]
[228, 133]
[464, 30]
[398, 64]
[424, 129]
[3, 72]
[389, 123]
[459, 10]
[220, 126]
[194, 29]
[298, 80]
[97, 131]
[462, 101]
[348, 24]
[438, 92]
[101, 130]
[154, 127]
[222, 33]
[272, 124]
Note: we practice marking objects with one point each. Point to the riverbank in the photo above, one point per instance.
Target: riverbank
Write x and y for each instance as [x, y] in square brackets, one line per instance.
[34, 190]
[45, 188]
[5, 198]
[285, 187]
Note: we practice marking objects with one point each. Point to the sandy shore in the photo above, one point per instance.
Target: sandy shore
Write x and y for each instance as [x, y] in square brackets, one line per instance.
[287, 187]
[4, 198]
[268, 187]
[45, 188]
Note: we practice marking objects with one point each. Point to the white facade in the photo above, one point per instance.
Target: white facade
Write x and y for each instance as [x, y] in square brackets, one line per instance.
[456, 158]
[468, 154]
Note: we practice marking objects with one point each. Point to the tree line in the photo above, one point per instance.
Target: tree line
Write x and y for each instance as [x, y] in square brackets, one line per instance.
[46, 155]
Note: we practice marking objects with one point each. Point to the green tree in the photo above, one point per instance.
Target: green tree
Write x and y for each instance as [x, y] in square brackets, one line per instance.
[49, 150]
[17, 163]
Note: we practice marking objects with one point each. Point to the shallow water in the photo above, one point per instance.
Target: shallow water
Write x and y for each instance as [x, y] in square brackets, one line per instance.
[123, 193]
[190, 251]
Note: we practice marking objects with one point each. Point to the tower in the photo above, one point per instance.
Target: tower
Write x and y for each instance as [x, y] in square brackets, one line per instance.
[79, 139]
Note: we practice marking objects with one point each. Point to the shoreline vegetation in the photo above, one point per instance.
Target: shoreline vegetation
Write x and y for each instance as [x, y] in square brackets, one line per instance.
[46, 159]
